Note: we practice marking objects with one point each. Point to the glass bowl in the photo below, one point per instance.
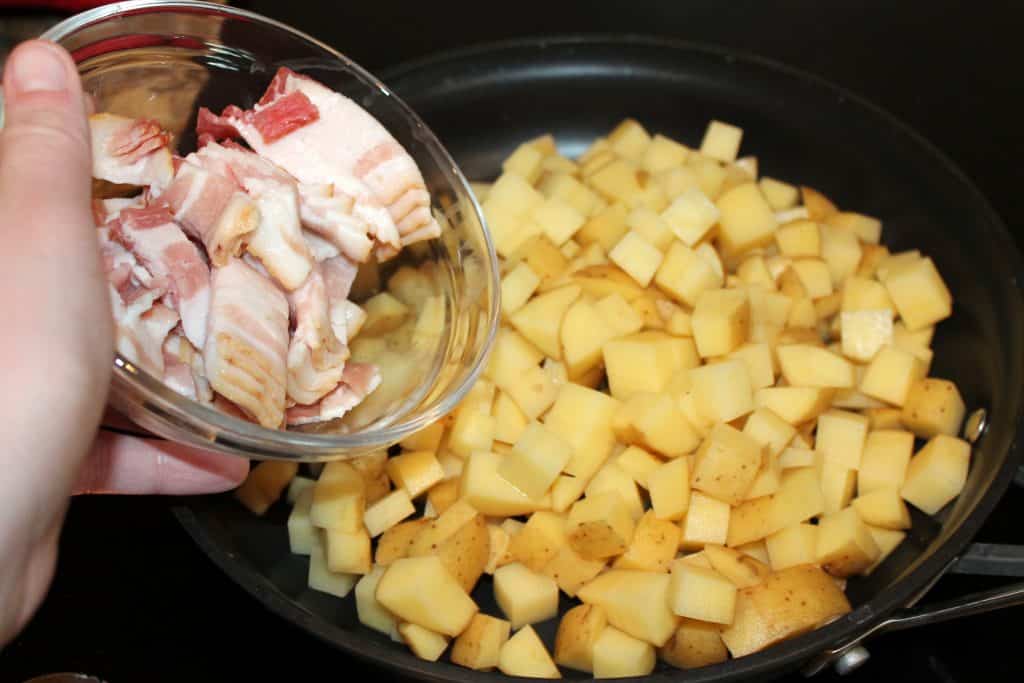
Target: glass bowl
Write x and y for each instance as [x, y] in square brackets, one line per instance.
[163, 60]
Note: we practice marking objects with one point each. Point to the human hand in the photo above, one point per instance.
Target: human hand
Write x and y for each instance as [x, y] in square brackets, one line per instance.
[56, 348]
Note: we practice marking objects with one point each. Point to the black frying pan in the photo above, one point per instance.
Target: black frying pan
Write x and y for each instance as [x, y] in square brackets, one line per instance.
[482, 102]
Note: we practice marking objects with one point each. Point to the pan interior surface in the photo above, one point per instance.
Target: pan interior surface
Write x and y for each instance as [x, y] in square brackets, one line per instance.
[483, 102]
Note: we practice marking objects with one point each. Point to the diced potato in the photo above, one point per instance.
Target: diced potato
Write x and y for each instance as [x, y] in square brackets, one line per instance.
[883, 508]
[710, 175]
[605, 227]
[793, 546]
[584, 333]
[768, 479]
[721, 141]
[684, 275]
[509, 420]
[884, 463]
[746, 221]
[533, 393]
[721, 321]
[511, 354]
[524, 655]
[499, 541]
[629, 140]
[796, 457]
[611, 477]
[638, 463]
[842, 251]
[798, 499]
[301, 532]
[558, 219]
[838, 484]
[396, 541]
[525, 161]
[780, 195]
[339, 498]
[706, 521]
[265, 484]
[384, 313]
[536, 460]
[814, 276]
[768, 613]
[321, 578]
[651, 226]
[637, 257]
[819, 207]
[539, 540]
[387, 512]
[690, 216]
[809, 366]
[726, 464]
[754, 272]
[471, 431]
[886, 540]
[799, 239]
[636, 602]
[933, 406]
[489, 492]
[891, 375]
[740, 568]
[845, 546]
[578, 632]
[524, 596]
[795, 405]
[348, 552]
[769, 430]
[513, 193]
[618, 315]
[920, 295]
[937, 474]
[370, 612]
[703, 594]
[695, 644]
[864, 333]
[564, 186]
[655, 421]
[669, 489]
[722, 391]
[644, 362]
[583, 417]
[297, 485]
[546, 260]
[415, 471]
[424, 643]
[654, 545]
[600, 527]
[760, 363]
[571, 571]
[865, 294]
[540, 320]
[618, 655]
[840, 437]
[517, 287]
[479, 646]
[420, 590]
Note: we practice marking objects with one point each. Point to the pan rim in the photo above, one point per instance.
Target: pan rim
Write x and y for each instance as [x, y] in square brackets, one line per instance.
[783, 655]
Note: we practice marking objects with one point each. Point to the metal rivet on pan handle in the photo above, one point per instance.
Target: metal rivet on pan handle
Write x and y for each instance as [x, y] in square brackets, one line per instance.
[975, 425]
[851, 660]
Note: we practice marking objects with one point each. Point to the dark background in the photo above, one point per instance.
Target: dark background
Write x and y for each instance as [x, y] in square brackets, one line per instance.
[134, 600]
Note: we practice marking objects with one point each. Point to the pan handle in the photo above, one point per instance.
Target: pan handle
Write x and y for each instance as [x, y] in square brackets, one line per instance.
[851, 655]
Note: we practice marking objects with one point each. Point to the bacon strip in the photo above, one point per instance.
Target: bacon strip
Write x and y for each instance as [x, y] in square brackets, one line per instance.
[247, 342]
[358, 380]
[156, 240]
[130, 151]
[316, 356]
[183, 369]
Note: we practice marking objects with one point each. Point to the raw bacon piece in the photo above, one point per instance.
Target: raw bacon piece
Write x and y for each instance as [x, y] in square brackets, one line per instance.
[339, 274]
[356, 384]
[286, 114]
[140, 337]
[213, 209]
[210, 127]
[330, 214]
[247, 342]
[183, 369]
[320, 248]
[156, 240]
[316, 357]
[130, 151]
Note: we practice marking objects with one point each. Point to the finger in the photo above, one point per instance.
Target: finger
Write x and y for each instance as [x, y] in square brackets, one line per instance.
[125, 464]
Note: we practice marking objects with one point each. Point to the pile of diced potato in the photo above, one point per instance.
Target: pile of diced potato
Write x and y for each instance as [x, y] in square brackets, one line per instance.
[699, 418]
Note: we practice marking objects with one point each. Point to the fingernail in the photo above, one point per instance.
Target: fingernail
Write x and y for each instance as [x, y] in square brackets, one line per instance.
[37, 68]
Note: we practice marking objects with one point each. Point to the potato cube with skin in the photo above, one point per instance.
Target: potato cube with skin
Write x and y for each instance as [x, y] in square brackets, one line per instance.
[690, 216]
[524, 596]
[883, 508]
[578, 631]
[618, 315]
[321, 578]
[348, 552]
[517, 287]
[499, 541]
[695, 644]
[795, 405]
[706, 521]
[489, 492]
[571, 571]
[524, 655]
[301, 532]
[618, 655]
[265, 484]
[420, 590]
[533, 392]
[726, 464]
[760, 363]
[704, 594]
[397, 541]
[637, 257]
[721, 141]
[538, 541]
[840, 437]
[370, 612]
[654, 421]
[740, 568]
[804, 365]
[768, 612]
[769, 430]
[933, 407]
[793, 546]
[611, 477]
[479, 646]
[937, 474]
[384, 313]
[864, 333]
[845, 546]
[601, 526]
[605, 227]
[584, 333]
[415, 471]
[891, 375]
[799, 239]
[636, 602]
[654, 546]
[920, 295]
[387, 512]
[546, 260]
[558, 220]
[638, 463]
[536, 460]
[423, 642]
[721, 321]
[768, 478]
[684, 275]
[746, 220]
[669, 489]
[443, 495]
[339, 498]
[540, 320]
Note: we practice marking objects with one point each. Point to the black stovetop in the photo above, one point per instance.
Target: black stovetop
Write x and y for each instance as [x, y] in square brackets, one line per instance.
[135, 600]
